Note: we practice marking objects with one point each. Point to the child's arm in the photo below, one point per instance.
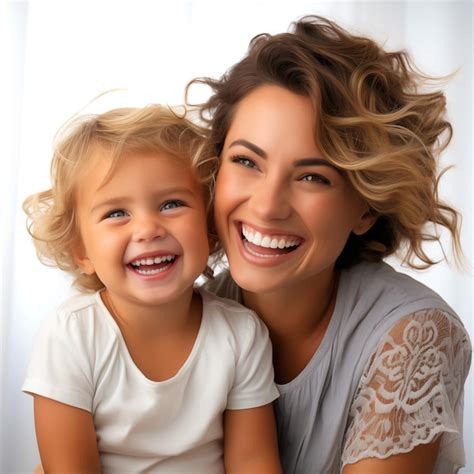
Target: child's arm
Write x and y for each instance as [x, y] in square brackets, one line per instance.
[66, 438]
[250, 442]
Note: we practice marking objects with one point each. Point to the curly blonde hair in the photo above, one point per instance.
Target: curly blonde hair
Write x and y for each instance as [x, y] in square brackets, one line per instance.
[372, 122]
[51, 214]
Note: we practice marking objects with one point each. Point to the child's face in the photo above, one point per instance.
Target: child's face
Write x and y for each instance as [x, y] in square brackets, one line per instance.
[144, 231]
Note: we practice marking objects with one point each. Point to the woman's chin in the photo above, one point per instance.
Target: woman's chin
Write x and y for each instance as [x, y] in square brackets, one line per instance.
[260, 282]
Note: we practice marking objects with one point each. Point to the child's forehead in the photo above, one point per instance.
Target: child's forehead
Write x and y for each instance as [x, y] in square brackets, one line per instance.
[116, 157]
[110, 163]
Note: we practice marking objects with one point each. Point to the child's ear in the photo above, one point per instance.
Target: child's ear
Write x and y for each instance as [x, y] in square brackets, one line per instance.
[365, 222]
[81, 259]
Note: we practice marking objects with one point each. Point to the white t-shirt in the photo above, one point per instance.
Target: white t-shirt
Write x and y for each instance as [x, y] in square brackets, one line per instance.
[80, 358]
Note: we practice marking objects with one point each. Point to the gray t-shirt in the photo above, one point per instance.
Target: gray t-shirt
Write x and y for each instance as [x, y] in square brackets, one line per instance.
[388, 375]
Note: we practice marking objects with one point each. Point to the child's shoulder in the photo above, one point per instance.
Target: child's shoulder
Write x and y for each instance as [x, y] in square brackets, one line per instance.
[79, 310]
[224, 311]
[78, 303]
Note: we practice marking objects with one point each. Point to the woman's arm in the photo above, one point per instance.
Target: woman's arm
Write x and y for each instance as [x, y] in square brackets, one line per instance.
[408, 408]
[66, 438]
[250, 442]
[420, 460]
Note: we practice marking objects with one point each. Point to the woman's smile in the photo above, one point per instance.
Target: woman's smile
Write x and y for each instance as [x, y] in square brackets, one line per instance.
[269, 245]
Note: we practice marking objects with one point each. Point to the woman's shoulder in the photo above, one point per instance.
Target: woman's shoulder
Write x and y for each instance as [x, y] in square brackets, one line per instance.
[380, 284]
[224, 286]
[374, 299]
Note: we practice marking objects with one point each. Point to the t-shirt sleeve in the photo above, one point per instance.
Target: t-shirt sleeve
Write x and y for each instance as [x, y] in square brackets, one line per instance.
[59, 366]
[254, 379]
[412, 391]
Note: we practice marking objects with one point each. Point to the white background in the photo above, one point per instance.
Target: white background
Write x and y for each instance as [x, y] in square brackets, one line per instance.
[56, 56]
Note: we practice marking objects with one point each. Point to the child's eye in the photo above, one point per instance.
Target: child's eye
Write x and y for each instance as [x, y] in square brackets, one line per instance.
[115, 214]
[172, 204]
[315, 178]
[244, 161]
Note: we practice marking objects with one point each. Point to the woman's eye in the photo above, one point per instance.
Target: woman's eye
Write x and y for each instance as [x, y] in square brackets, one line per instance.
[244, 161]
[315, 178]
[115, 214]
[173, 204]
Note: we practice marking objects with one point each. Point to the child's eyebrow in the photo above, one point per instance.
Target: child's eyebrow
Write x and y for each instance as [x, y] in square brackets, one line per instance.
[109, 202]
[121, 200]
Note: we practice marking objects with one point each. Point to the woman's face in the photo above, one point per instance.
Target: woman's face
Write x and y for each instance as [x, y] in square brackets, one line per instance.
[283, 212]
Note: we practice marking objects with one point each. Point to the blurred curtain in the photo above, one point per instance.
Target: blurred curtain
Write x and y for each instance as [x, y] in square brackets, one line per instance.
[56, 56]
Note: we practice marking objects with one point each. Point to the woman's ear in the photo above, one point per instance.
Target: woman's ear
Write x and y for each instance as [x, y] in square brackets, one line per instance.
[80, 257]
[365, 222]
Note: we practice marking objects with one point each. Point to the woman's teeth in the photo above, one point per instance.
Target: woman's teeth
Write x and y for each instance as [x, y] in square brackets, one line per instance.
[269, 241]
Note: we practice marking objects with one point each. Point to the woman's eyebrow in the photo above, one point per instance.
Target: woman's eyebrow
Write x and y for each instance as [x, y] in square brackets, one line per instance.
[251, 146]
[298, 163]
[315, 162]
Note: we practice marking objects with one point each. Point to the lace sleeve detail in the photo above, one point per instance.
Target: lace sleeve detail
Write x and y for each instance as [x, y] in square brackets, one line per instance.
[412, 390]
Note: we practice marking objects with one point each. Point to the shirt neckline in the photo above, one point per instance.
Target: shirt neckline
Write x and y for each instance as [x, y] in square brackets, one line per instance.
[326, 341]
[188, 363]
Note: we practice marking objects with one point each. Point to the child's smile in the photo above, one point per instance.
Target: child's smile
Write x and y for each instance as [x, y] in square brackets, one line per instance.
[152, 264]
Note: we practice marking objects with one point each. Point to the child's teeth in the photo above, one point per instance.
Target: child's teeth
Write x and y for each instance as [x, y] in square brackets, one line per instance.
[152, 261]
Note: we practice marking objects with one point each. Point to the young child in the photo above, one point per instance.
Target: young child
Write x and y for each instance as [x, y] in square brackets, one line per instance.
[141, 372]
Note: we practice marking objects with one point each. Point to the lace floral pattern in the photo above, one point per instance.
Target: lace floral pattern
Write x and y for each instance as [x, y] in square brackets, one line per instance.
[411, 389]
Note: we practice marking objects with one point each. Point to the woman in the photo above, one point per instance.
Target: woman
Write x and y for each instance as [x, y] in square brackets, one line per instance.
[328, 165]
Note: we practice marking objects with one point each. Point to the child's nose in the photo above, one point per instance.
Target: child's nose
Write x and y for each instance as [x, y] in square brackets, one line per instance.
[148, 228]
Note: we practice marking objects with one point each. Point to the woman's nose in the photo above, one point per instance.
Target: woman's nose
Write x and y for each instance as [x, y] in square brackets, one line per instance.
[148, 228]
[270, 199]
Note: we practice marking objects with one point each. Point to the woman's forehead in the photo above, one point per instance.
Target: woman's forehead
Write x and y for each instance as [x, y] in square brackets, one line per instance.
[271, 116]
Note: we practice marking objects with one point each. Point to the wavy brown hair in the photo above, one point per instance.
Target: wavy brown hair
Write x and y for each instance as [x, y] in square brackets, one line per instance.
[372, 121]
[51, 214]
